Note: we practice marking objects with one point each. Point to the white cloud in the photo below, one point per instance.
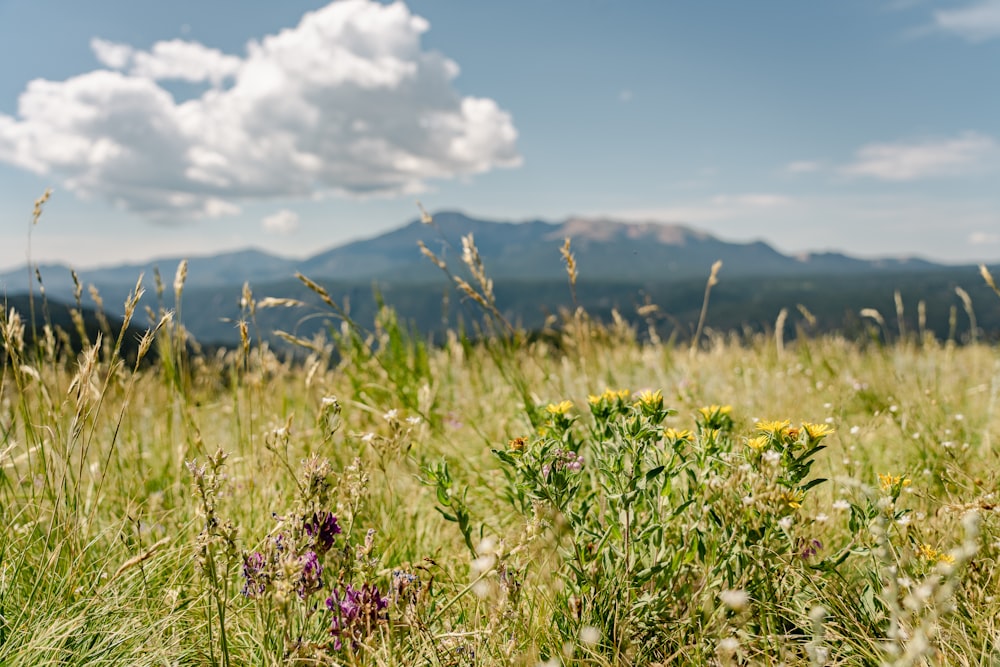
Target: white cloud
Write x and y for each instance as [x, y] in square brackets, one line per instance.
[186, 61]
[347, 103]
[110, 54]
[283, 222]
[912, 161]
[976, 22]
[803, 167]
[984, 238]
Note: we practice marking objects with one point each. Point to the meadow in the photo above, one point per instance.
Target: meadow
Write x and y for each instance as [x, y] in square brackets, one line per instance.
[591, 494]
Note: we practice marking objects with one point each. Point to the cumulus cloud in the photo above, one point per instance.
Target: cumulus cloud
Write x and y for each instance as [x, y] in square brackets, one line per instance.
[283, 222]
[976, 22]
[185, 61]
[912, 161]
[347, 102]
[110, 54]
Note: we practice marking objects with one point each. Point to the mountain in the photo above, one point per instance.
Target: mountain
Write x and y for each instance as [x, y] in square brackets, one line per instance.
[620, 265]
[604, 249]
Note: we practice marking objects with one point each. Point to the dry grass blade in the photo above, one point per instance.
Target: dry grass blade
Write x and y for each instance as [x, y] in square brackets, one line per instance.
[141, 558]
[275, 302]
[988, 277]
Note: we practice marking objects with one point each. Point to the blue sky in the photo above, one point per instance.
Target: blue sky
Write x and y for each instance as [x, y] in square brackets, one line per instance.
[186, 128]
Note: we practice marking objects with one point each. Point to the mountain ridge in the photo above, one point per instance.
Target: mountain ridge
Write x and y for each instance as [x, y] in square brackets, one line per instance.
[605, 250]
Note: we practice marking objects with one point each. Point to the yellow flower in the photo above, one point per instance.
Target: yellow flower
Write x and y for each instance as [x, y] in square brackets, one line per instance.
[792, 498]
[889, 482]
[927, 552]
[710, 410]
[559, 408]
[593, 400]
[650, 397]
[774, 428]
[758, 443]
[817, 431]
[673, 435]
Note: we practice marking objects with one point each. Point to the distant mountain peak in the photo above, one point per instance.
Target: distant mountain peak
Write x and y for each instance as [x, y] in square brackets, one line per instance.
[606, 229]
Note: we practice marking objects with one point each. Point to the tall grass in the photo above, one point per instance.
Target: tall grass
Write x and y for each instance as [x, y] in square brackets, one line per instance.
[592, 496]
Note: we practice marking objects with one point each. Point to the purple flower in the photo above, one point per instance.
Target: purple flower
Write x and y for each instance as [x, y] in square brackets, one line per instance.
[811, 548]
[255, 578]
[322, 528]
[356, 613]
[311, 579]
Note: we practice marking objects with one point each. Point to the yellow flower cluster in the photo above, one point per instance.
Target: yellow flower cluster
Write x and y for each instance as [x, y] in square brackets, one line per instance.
[775, 428]
[890, 482]
[817, 431]
[758, 443]
[927, 552]
[650, 397]
[560, 408]
[608, 395]
[710, 410]
[673, 435]
[793, 498]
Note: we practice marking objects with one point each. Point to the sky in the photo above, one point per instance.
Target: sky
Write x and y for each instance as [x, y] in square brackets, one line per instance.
[188, 128]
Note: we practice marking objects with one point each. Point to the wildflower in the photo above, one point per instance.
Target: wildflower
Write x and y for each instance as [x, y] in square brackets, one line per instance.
[391, 415]
[737, 600]
[810, 549]
[673, 435]
[772, 457]
[560, 408]
[929, 553]
[774, 428]
[792, 499]
[590, 635]
[254, 575]
[893, 483]
[709, 410]
[322, 527]
[786, 522]
[758, 443]
[356, 613]
[517, 444]
[310, 579]
[594, 400]
[841, 505]
[650, 399]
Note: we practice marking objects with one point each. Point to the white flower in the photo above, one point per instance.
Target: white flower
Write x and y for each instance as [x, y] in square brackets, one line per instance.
[771, 456]
[821, 518]
[841, 505]
[392, 415]
[729, 645]
[855, 430]
[736, 600]
[786, 523]
[413, 421]
[590, 635]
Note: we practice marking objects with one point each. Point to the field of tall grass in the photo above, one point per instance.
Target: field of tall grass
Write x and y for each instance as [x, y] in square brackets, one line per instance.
[588, 495]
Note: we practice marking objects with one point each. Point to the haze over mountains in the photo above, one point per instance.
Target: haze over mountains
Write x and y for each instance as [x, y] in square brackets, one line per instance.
[605, 250]
[620, 265]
